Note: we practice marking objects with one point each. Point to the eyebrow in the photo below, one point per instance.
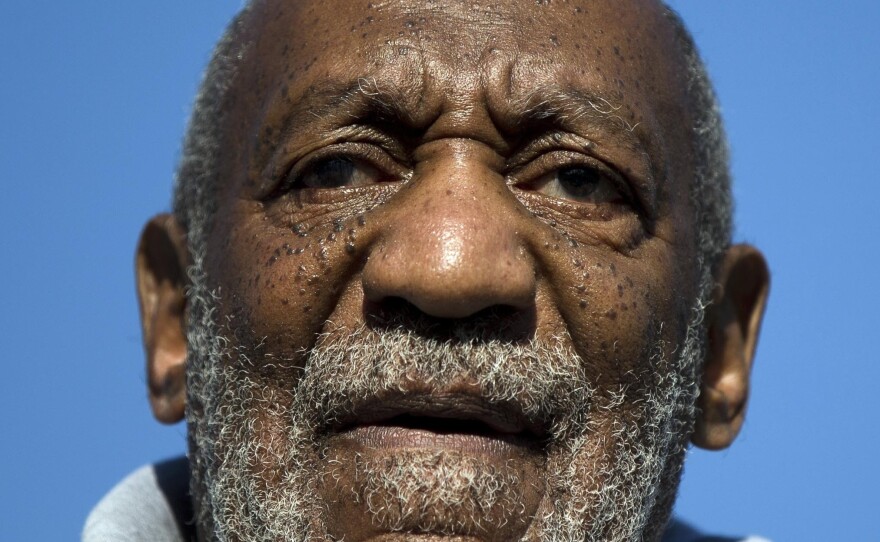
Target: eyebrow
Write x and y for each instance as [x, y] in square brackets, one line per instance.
[546, 104]
[355, 98]
[574, 107]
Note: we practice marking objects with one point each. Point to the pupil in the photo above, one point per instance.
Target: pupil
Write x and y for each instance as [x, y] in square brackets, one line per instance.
[579, 181]
[334, 173]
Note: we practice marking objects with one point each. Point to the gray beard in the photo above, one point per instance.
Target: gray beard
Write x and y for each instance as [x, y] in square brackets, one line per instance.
[256, 451]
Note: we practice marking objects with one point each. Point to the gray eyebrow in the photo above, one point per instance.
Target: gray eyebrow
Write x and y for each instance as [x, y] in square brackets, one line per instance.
[332, 95]
[571, 106]
[575, 108]
[567, 108]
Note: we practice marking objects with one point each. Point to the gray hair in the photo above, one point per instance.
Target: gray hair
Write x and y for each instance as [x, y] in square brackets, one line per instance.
[199, 170]
[710, 195]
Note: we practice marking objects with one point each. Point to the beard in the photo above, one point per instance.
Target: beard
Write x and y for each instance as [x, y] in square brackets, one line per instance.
[260, 461]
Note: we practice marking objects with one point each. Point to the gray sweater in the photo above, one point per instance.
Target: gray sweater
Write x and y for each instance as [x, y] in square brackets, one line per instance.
[152, 505]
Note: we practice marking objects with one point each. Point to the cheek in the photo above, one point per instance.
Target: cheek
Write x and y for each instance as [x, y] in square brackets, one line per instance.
[619, 309]
[277, 286]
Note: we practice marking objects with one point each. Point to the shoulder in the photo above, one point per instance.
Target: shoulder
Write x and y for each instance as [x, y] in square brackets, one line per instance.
[679, 531]
[150, 504]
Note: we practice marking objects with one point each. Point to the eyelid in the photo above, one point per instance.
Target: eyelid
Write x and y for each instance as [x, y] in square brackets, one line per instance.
[557, 160]
[636, 185]
[302, 146]
[358, 152]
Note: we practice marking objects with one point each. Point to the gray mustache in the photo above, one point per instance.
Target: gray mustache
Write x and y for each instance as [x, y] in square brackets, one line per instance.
[544, 382]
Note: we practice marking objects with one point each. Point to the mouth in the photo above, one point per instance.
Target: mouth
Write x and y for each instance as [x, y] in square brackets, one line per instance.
[456, 422]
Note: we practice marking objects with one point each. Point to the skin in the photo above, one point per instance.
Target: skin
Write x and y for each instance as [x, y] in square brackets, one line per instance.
[457, 206]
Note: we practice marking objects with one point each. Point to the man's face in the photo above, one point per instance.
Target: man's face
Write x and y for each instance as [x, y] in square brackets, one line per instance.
[450, 278]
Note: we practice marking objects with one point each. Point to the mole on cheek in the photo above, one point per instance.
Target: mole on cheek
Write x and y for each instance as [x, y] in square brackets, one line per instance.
[349, 242]
[300, 230]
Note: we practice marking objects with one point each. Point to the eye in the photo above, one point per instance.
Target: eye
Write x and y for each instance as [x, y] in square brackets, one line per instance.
[579, 183]
[335, 172]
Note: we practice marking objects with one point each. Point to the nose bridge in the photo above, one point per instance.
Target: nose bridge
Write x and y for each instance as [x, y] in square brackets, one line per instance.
[450, 244]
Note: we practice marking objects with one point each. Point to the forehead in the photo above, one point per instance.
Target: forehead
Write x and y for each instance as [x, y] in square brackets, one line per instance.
[436, 54]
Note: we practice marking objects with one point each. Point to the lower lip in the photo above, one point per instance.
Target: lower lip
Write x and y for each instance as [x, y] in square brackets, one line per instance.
[389, 437]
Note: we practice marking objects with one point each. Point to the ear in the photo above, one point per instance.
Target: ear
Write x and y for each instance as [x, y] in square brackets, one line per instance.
[734, 320]
[160, 267]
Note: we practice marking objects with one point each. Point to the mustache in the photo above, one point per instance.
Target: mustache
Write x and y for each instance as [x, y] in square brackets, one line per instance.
[387, 360]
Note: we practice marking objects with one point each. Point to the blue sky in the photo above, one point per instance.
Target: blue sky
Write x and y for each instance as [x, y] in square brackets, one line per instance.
[94, 97]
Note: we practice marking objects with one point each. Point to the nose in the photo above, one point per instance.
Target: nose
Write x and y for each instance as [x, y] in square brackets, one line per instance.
[451, 247]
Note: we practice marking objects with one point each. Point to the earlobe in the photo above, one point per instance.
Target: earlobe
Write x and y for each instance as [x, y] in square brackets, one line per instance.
[160, 268]
[734, 322]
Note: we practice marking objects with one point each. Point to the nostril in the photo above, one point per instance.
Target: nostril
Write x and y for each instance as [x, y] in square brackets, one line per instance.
[496, 323]
[451, 299]
[389, 310]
